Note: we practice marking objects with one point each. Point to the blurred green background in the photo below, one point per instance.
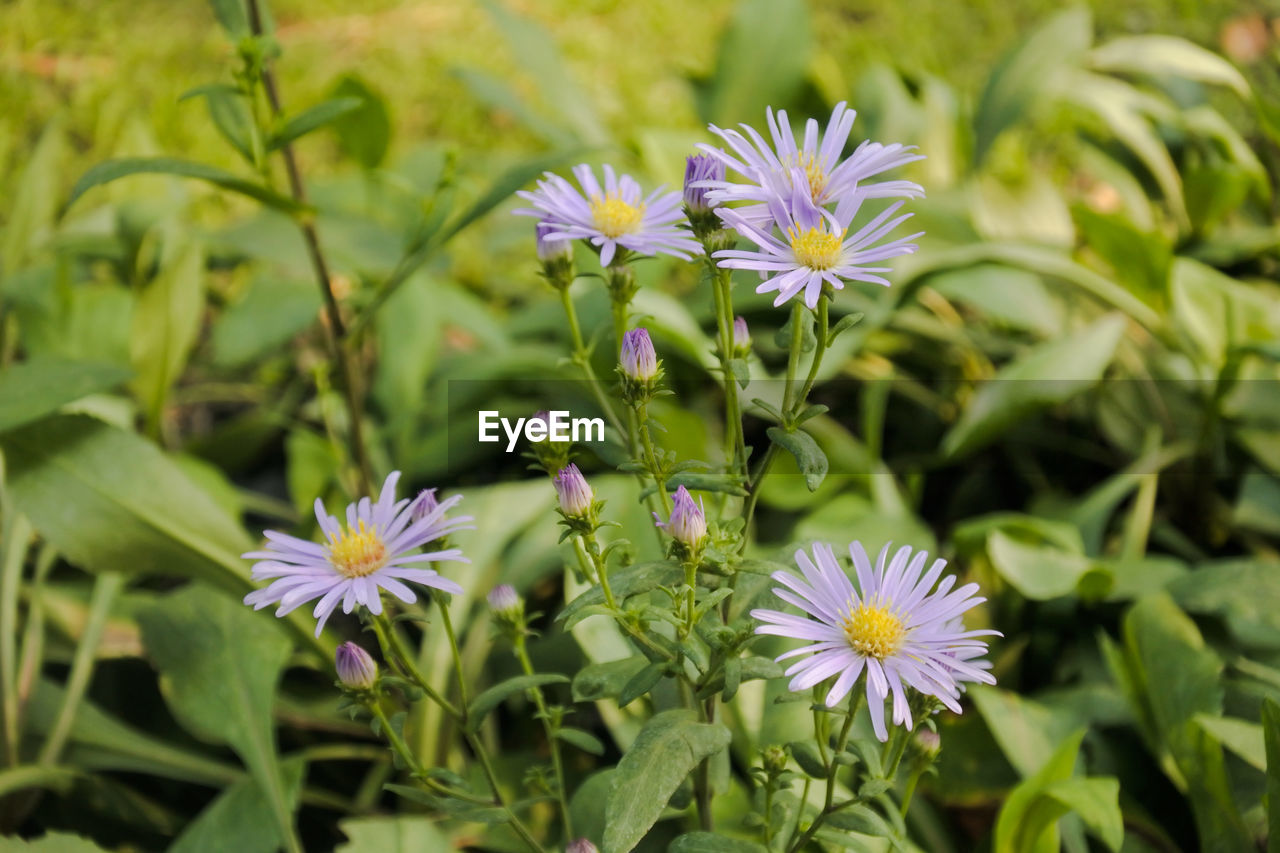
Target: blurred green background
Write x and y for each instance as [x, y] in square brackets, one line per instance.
[1070, 391]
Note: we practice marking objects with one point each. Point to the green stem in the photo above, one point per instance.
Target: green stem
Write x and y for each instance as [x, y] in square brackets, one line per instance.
[17, 534]
[105, 588]
[651, 458]
[821, 330]
[402, 658]
[735, 438]
[454, 650]
[583, 359]
[833, 768]
[553, 743]
[400, 748]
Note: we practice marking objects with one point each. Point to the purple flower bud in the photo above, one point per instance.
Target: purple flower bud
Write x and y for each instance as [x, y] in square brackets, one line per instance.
[423, 505]
[928, 742]
[638, 359]
[504, 600]
[698, 168]
[688, 522]
[582, 845]
[551, 250]
[356, 669]
[741, 335]
[574, 492]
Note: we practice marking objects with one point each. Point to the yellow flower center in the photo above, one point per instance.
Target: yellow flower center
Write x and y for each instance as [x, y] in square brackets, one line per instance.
[615, 217]
[874, 631]
[816, 248]
[357, 553]
[812, 171]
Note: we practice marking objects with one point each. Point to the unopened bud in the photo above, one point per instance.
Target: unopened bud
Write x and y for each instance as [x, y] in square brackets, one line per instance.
[582, 845]
[556, 254]
[574, 492]
[698, 169]
[741, 337]
[638, 360]
[929, 743]
[688, 523]
[423, 505]
[356, 669]
[505, 601]
[775, 759]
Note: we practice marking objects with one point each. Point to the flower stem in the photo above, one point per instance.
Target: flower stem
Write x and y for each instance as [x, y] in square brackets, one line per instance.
[829, 805]
[735, 439]
[548, 726]
[337, 329]
[582, 358]
[651, 458]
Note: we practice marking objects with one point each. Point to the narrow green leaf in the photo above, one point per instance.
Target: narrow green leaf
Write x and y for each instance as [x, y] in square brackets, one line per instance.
[632, 580]
[166, 321]
[1271, 734]
[240, 818]
[810, 459]
[1243, 737]
[666, 751]
[501, 189]
[1097, 802]
[314, 118]
[400, 834]
[641, 683]
[494, 696]
[33, 389]
[112, 170]
[364, 132]
[231, 15]
[707, 842]
[1163, 56]
[583, 740]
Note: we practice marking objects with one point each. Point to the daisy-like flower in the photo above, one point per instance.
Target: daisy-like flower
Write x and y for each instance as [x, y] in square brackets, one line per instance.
[895, 625]
[611, 217]
[824, 175]
[377, 549]
[818, 248]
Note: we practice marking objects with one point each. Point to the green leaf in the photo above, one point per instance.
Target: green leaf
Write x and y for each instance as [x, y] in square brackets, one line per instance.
[501, 189]
[1040, 573]
[666, 751]
[112, 170]
[109, 500]
[166, 321]
[1161, 56]
[55, 842]
[494, 696]
[231, 15]
[1027, 731]
[231, 115]
[1022, 827]
[583, 740]
[34, 389]
[1243, 737]
[1244, 593]
[314, 118]
[1096, 801]
[402, 834]
[605, 680]
[707, 842]
[265, 319]
[364, 132]
[1271, 734]
[810, 459]
[742, 86]
[641, 683]
[1050, 374]
[1023, 78]
[240, 818]
[633, 580]
[31, 209]
[219, 664]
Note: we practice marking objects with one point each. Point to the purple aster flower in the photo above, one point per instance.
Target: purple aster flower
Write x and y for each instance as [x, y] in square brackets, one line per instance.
[375, 550]
[612, 216]
[817, 249]
[895, 625]
[574, 492]
[356, 669]
[824, 176]
[637, 358]
[699, 171]
[688, 521]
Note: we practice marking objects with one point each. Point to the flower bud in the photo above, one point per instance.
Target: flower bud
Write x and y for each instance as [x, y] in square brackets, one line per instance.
[697, 169]
[556, 255]
[775, 759]
[356, 669]
[688, 522]
[638, 360]
[423, 505]
[929, 743]
[504, 601]
[574, 492]
[551, 454]
[741, 337]
[582, 845]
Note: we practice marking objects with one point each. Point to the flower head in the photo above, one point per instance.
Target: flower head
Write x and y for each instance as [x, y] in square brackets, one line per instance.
[356, 669]
[550, 249]
[376, 549]
[815, 166]
[504, 600]
[638, 359]
[574, 492]
[896, 625]
[688, 522]
[816, 248]
[611, 216]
